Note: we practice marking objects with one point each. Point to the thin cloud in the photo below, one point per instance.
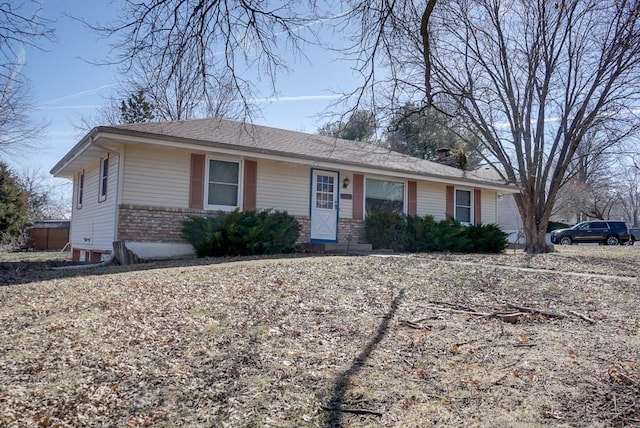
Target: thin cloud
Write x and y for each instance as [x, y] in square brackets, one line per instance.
[295, 98]
[72, 107]
[80, 94]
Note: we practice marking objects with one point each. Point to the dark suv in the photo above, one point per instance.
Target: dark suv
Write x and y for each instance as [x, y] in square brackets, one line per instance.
[599, 231]
[635, 235]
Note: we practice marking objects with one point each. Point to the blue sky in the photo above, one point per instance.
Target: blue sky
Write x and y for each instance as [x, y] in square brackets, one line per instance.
[66, 87]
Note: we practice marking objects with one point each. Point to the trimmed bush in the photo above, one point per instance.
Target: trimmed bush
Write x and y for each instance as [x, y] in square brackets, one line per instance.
[487, 238]
[242, 233]
[424, 234]
[421, 234]
[385, 230]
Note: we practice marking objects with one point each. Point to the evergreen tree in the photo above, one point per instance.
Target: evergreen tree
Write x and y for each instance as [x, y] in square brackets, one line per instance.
[136, 109]
[361, 126]
[14, 203]
[421, 132]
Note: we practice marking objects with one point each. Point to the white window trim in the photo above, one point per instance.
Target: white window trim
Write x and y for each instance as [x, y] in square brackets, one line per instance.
[206, 183]
[405, 191]
[102, 191]
[471, 207]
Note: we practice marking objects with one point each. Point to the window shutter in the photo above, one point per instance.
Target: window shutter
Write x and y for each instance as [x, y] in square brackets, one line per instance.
[196, 186]
[412, 198]
[249, 192]
[450, 202]
[477, 206]
[358, 197]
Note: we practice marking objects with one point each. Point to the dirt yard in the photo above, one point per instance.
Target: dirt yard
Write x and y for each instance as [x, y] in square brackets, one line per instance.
[398, 341]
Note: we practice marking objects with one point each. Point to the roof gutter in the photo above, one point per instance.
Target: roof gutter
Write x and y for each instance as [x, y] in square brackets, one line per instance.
[76, 151]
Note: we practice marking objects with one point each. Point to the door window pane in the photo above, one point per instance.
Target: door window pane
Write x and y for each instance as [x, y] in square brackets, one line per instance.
[325, 192]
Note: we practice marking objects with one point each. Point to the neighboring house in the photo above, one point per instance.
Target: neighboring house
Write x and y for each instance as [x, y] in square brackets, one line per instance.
[509, 219]
[137, 183]
[508, 216]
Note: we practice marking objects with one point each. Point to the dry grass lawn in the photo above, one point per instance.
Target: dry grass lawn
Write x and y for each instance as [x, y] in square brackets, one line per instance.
[402, 341]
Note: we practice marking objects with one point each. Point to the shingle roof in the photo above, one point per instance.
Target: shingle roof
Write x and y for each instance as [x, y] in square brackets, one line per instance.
[215, 132]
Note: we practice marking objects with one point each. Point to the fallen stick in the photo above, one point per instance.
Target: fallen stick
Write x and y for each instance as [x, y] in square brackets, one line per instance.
[454, 305]
[415, 324]
[584, 317]
[460, 311]
[352, 410]
[506, 317]
[536, 311]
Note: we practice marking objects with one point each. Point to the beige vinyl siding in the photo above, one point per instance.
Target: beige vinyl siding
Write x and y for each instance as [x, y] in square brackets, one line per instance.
[93, 225]
[283, 186]
[489, 207]
[345, 206]
[155, 176]
[432, 200]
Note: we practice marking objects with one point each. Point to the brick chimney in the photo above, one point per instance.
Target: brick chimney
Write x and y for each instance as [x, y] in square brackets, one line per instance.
[443, 153]
[444, 157]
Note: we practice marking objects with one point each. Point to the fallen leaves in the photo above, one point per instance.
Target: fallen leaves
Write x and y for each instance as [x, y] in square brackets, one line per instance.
[265, 342]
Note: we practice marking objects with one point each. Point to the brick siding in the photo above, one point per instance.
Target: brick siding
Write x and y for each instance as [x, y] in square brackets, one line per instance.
[153, 224]
[305, 230]
[348, 230]
[157, 224]
[351, 231]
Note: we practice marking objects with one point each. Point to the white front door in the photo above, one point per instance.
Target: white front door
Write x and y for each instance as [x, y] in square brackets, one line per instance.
[324, 206]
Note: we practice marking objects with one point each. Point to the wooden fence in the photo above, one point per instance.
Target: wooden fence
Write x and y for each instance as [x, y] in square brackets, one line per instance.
[48, 238]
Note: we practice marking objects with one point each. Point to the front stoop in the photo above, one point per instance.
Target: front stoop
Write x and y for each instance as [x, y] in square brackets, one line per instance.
[331, 248]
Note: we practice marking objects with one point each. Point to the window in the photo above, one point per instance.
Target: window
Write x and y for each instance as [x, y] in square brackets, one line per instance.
[463, 206]
[382, 195]
[80, 189]
[223, 189]
[104, 178]
[325, 192]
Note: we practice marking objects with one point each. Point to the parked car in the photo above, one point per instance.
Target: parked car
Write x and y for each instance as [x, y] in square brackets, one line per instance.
[607, 232]
[635, 235]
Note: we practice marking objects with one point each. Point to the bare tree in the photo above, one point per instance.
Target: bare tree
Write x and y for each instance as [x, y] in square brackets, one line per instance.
[182, 94]
[178, 96]
[590, 186]
[629, 194]
[20, 26]
[530, 77]
[46, 200]
[571, 201]
[198, 52]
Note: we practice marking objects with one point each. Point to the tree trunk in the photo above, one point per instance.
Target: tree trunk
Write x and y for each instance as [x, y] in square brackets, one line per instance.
[536, 239]
[535, 222]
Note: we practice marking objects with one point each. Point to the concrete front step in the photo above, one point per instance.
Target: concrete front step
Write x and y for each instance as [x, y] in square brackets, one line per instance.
[331, 248]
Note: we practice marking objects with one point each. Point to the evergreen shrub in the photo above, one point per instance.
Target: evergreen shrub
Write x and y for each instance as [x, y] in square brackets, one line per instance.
[424, 234]
[242, 233]
[385, 229]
